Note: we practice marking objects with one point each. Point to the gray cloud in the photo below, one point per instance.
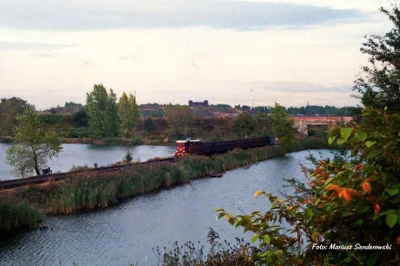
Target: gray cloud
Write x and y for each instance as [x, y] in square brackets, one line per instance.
[10, 45]
[89, 15]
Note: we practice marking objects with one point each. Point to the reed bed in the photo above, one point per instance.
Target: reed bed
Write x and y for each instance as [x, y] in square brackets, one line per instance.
[16, 213]
[91, 190]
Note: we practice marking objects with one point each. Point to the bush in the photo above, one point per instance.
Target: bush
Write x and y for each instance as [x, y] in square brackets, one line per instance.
[347, 201]
[244, 124]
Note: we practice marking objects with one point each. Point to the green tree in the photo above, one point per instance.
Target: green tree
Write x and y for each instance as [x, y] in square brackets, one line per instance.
[35, 146]
[347, 200]
[102, 111]
[149, 125]
[180, 120]
[282, 124]
[379, 85]
[128, 157]
[9, 109]
[127, 113]
[244, 124]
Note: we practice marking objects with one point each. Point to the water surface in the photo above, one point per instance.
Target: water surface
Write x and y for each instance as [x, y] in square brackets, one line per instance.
[125, 234]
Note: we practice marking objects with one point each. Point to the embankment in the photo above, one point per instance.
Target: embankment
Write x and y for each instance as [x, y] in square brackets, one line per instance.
[24, 207]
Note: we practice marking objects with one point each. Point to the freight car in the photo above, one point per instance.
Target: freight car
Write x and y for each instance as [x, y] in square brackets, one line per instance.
[208, 148]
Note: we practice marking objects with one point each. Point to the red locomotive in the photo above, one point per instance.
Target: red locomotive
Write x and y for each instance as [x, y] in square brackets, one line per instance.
[207, 148]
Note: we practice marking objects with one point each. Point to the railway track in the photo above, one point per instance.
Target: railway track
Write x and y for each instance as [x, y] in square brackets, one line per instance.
[33, 180]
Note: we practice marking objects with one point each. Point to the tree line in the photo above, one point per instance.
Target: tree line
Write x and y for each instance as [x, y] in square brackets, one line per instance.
[313, 110]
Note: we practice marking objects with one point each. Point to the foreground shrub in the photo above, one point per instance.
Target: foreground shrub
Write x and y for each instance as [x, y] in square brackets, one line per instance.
[350, 208]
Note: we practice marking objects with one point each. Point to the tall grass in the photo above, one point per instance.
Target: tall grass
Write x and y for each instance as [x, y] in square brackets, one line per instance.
[15, 214]
[90, 190]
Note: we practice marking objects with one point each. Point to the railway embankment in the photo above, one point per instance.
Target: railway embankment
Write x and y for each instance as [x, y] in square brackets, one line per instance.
[26, 206]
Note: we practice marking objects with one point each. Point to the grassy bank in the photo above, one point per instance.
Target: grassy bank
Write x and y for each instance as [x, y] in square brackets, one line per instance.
[90, 190]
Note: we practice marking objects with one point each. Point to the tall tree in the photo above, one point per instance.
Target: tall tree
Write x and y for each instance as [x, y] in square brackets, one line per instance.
[180, 120]
[9, 109]
[127, 113]
[282, 124]
[379, 85]
[102, 111]
[34, 145]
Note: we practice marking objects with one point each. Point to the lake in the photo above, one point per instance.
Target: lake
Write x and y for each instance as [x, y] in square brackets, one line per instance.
[126, 233]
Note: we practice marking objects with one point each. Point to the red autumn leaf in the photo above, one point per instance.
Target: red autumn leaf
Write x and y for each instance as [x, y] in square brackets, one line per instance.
[398, 240]
[346, 195]
[332, 187]
[366, 187]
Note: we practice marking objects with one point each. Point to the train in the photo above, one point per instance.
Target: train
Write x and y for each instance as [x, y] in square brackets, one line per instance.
[208, 148]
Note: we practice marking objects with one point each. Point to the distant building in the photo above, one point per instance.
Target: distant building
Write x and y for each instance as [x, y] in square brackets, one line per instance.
[204, 104]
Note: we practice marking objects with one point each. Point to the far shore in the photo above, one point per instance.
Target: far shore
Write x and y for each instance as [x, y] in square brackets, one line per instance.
[106, 141]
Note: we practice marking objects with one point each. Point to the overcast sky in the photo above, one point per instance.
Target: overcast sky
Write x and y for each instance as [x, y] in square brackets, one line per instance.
[292, 52]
